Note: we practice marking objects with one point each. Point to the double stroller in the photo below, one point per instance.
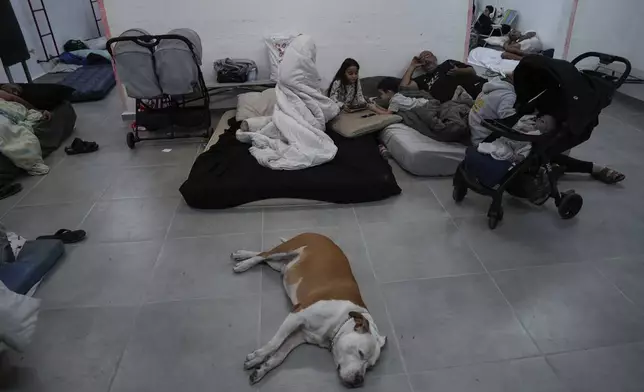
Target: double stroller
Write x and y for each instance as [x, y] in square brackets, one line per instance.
[575, 98]
[162, 73]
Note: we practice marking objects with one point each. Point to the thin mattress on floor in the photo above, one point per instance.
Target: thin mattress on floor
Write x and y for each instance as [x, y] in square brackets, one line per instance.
[227, 175]
[419, 154]
[91, 82]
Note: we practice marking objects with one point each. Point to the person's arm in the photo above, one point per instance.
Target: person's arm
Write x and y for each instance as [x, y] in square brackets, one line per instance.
[360, 99]
[506, 106]
[14, 98]
[407, 78]
[461, 69]
[378, 110]
[334, 94]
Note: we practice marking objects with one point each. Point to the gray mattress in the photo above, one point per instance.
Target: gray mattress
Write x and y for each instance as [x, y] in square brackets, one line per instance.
[420, 155]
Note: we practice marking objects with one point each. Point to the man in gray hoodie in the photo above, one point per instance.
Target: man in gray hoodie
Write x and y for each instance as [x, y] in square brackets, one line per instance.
[497, 100]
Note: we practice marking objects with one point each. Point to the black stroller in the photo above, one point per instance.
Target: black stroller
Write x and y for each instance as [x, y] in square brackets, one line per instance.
[575, 99]
[162, 73]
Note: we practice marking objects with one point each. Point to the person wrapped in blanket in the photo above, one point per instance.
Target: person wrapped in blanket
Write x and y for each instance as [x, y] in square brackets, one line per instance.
[17, 139]
[497, 101]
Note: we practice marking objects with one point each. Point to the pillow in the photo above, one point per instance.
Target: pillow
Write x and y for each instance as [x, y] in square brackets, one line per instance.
[353, 124]
[19, 314]
[496, 41]
[256, 104]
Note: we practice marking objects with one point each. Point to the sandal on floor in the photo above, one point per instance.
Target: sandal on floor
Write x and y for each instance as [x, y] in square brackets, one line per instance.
[66, 235]
[608, 176]
[80, 146]
[9, 190]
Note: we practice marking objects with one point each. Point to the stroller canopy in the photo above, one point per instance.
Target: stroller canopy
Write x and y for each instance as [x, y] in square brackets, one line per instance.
[570, 95]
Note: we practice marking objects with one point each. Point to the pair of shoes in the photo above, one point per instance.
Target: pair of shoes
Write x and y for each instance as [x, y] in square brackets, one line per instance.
[66, 235]
[79, 146]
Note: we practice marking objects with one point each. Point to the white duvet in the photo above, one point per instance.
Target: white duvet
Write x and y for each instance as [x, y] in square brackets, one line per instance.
[491, 59]
[293, 137]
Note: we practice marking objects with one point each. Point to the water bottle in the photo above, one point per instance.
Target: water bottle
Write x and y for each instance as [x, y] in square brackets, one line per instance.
[252, 74]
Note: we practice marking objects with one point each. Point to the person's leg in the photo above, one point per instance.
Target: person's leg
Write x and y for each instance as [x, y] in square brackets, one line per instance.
[573, 165]
[598, 172]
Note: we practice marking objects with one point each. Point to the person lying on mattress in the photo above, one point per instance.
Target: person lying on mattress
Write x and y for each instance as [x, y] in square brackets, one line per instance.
[441, 80]
[443, 122]
[497, 100]
[345, 89]
[520, 45]
[18, 140]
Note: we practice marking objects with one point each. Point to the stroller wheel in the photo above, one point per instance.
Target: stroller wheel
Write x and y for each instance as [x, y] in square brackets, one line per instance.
[570, 205]
[131, 140]
[459, 192]
[494, 217]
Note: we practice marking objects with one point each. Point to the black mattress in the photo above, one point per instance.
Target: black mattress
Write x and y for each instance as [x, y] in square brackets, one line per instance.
[91, 82]
[227, 175]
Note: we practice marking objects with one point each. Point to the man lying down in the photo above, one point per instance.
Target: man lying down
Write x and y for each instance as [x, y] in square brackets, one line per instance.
[294, 136]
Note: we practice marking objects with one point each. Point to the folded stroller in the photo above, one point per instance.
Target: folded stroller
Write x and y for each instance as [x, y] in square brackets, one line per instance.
[162, 73]
[575, 98]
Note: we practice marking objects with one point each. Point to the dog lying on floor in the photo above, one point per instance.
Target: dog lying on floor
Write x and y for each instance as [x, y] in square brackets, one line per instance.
[328, 309]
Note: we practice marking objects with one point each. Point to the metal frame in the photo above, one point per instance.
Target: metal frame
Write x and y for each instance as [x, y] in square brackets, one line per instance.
[50, 32]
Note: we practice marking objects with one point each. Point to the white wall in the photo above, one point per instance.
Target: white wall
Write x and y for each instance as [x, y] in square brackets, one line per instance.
[382, 35]
[549, 18]
[614, 27]
[70, 19]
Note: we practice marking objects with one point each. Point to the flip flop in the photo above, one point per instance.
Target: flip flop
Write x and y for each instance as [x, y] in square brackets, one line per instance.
[79, 146]
[66, 235]
[608, 176]
[9, 190]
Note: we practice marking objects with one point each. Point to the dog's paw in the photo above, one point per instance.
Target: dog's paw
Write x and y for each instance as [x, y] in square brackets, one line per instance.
[239, 255]
[240, 267]
[255, 376]
[253, 360]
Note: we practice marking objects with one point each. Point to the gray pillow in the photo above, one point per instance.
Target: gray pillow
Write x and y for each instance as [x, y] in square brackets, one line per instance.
[354, 124]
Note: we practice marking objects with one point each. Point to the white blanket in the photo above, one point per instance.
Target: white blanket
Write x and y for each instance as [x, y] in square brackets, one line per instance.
[491, 59]
[294, 138]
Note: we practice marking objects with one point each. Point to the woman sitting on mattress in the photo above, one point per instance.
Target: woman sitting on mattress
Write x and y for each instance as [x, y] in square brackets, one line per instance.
[521, 45]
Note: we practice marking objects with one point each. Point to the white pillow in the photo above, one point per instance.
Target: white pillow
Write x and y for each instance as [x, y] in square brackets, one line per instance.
[496, 41]
[256, 104]
[19, 314]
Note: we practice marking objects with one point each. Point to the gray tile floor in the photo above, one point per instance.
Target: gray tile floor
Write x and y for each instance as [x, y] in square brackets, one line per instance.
[150, 303]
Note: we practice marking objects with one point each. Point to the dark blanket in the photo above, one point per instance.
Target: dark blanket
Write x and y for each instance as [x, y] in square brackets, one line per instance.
[227, 176]
[444, 122]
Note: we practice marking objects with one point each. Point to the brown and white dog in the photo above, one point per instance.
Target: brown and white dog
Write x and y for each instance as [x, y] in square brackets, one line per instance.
[328, 309]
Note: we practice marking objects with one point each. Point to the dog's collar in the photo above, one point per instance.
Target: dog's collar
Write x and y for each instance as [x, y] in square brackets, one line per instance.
[337, 332]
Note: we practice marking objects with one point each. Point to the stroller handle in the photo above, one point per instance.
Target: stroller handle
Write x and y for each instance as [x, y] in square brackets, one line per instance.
[147, 41]
[607, 59]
